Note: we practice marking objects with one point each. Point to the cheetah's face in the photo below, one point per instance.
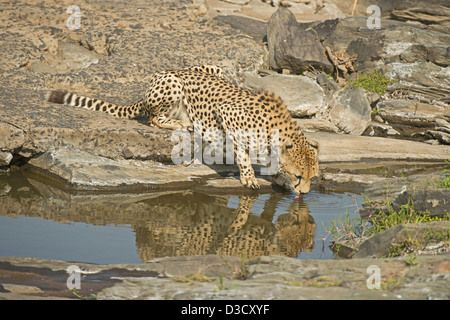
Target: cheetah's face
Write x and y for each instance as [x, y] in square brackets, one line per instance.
[298, 165]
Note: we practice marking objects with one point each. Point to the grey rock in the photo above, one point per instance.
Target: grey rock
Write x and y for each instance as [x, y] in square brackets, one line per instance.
[350, 111]
[316, 125]
[421, 79]
[75, 56]
[5, 158]
[351, 148]
[214, 278]
[442, 137]
[442, 123]
[412, 119]
[379, 245]
[257, 29]
[376, 129]
[303, 96]
[326, 83]
[434, 201]
[339, 33]
[290, 47]
[12, 137]
[40, 67]
[82, 170]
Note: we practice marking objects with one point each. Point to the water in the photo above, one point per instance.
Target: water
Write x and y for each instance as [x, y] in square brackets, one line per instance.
[40, 220]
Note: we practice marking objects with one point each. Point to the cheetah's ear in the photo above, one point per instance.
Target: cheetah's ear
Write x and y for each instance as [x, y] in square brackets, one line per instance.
[314, 143]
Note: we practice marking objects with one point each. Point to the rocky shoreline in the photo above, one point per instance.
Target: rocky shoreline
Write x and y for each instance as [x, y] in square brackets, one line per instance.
[369, 141]
[213, 277]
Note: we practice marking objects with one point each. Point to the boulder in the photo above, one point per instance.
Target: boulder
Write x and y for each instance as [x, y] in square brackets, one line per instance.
[5, 158]
[381, 244]
[291, 47]
[421, 79]
[257, 29]
[412, 119]
[303, 96]
[434, 201]
[395, 41]
[350, 111]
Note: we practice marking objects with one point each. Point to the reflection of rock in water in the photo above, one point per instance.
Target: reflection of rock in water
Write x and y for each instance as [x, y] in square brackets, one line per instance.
[171, 223]
[197, 225]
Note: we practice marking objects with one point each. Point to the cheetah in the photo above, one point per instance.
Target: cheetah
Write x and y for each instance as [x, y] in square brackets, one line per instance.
[177, 99]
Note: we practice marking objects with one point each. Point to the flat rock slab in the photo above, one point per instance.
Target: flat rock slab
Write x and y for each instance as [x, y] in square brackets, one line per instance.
[349, 148]
[429, 236]
[214, 277]
[82, 169]
[302, 95]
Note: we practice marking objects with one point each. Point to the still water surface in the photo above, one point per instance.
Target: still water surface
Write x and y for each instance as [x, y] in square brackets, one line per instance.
[39, 220]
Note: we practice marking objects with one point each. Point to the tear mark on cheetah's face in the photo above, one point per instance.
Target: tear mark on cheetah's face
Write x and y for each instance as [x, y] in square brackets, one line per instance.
[298, 164]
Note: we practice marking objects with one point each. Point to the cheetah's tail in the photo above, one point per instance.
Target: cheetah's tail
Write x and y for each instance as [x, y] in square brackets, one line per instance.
[69, 98]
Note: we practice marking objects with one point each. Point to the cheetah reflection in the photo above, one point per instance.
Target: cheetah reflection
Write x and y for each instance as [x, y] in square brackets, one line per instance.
[199, 224]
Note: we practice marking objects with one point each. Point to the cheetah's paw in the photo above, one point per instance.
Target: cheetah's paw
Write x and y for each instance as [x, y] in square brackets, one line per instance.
[250, 183]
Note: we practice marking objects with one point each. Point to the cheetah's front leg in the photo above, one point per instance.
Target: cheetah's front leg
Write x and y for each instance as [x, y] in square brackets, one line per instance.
[247, 174]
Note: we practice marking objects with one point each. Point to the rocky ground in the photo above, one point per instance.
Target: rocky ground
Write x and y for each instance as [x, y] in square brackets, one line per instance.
[226, 278]
[367, 140]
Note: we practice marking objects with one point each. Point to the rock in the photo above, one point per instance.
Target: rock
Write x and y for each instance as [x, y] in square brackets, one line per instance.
[394, 42]
[349, 148]
[376, 129]
[82, 170]
[380, 244]
[401, 111]
[75, 56]
[290, 47]
[350, 111]
[339, 33]
[326, 83]
[21, 289]
[435, 14]
[412, 119]
[211, 278]
[11, 137]
[303, 96]
[442, 267]
[40, 67]
[421, 80]
[5, 158]
[316, 125]
[442, 137]
[409, 44]
[442, 123]
[252, 27]
[434, 201]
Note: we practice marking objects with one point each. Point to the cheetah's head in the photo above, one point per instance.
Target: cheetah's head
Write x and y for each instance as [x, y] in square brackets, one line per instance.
[298, 160]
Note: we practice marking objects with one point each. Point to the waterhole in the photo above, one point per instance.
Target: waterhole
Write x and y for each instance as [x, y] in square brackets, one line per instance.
[40, 220]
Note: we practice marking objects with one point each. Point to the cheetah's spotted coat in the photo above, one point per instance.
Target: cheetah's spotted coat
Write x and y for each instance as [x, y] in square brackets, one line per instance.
[177, 99]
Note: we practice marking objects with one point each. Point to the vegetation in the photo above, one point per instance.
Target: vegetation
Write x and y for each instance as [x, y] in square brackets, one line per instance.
[92, 296]
[240, 270]
[445, 182]
[349, 227]
[373, 81]
[406, 214]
